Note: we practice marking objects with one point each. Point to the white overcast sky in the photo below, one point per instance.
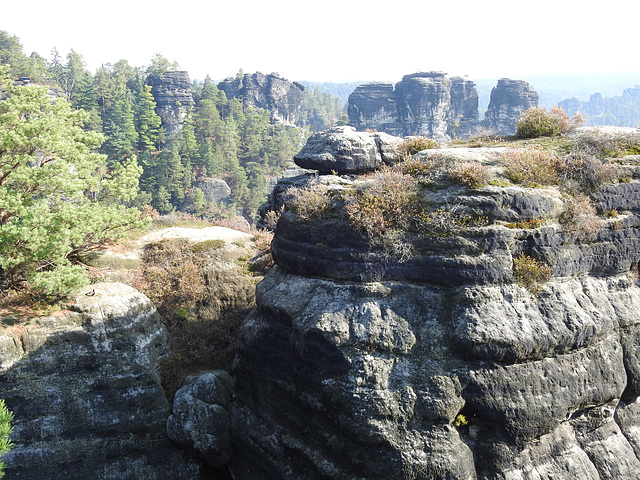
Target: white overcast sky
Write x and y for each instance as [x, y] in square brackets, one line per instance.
[338, 40]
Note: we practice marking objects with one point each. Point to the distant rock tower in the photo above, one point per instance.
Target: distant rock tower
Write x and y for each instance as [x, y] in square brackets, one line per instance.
[426, 103]
[173, 95]
[509, 98]
[270, 92]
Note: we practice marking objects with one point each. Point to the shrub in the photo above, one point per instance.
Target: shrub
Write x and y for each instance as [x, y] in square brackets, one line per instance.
[603, 143]
[538, 122]
[6, 417]
[469, 174]
[530, 273]
[532, 165]
[412, 145]
[389, 201]
[580, 217]
[309, 203]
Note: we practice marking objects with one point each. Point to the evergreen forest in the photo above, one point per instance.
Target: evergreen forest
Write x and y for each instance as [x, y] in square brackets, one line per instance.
[220, 138]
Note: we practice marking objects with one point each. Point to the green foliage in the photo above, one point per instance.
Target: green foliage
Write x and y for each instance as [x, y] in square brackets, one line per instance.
[538, 122]
[416, 144]
[203, 293]
[6, 417]
[50, 183]
[531, 273]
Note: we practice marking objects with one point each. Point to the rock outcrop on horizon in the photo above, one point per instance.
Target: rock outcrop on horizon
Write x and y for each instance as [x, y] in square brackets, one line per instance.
[270, 92]
[427, 103]
[509, 98]
[174, 97]
[440, 107]
[420, 356]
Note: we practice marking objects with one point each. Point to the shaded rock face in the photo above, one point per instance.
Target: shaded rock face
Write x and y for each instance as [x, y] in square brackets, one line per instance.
[360, 364]
[215, 190]
[509, 98]
[173, 96]
[427, 103]
[86, 395]
[201, 418]
[345, 151]
[270, 92]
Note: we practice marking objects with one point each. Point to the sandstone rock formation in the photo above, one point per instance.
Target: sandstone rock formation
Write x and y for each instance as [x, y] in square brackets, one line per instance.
[509, 98]
[270, 92]
[345, 151]
[173, 96]
[86, 394]
[360, 363]
[201, 418]
[427, 103]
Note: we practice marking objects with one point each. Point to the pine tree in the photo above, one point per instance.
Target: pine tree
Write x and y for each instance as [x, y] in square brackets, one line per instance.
[147, 121]
[49, 188]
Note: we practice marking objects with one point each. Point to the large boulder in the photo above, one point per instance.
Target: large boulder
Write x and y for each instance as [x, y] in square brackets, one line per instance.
[201, 418]
[85, 390]
[343, 150]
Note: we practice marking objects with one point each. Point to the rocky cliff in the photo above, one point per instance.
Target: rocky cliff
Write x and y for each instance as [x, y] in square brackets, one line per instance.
[173, 96]
[427, 103]
[85, 391]
[509, 98]
[421, 353]
[270, 92]
[432, 104]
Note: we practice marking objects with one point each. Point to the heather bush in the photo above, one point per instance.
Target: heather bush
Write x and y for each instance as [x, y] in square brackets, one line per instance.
[602, 143]
[532, 166]
[580, 217]
[389, 201]
[202, 292]
[412, 145]
[538, 122]
[530, 273]
[469, 174]
[311, 202]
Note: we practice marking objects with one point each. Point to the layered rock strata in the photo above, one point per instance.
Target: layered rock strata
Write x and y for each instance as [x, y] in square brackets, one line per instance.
[362, 363]
[174, 97]
[270, 92]
[509, 98]
[86, 395]
[427, 103]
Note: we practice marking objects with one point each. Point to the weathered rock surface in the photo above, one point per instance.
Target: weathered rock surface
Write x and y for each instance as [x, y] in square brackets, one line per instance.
[345, 151]
[359, 364]
[86, 394]
[427, 103]
[201, 418]
[173, 96]
[509, 98]
[270, 92]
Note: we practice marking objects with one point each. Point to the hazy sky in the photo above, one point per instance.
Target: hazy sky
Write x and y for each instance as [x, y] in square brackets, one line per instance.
[338, 40]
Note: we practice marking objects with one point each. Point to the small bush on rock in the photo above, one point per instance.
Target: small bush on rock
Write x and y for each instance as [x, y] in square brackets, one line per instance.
[538, 122]
[469, 174]
[310, 203]
[580, 217]
[532, 166]
[530, 273]
[413, 145]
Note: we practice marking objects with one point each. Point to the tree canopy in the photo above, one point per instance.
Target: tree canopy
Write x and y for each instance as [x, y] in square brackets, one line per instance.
[57, 196]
